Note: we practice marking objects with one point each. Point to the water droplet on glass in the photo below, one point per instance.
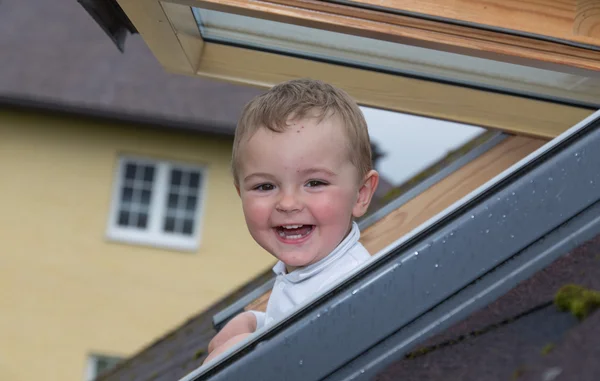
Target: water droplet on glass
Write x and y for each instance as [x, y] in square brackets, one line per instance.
[354, 292]
[512, 236]
[362, 371]
[550, 179]
[533, 191]
[591, 181]
[300, 362]
[504, 216]
[416, 253]
[436, 265]
[490, 215]
[513, 193]
[318, 315]
[451, 234]
[487, 231]
[576, 153]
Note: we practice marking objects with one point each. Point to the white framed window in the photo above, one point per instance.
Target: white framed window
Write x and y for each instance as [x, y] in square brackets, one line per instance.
[157, 203]
[97, 364]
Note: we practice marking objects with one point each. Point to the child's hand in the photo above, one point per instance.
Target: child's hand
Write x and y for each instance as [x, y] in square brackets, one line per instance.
[223, 347]
[241, 325]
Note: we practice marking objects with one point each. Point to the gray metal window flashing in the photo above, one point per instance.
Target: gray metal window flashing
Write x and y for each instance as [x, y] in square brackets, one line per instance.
[465, 258]
[222, 317]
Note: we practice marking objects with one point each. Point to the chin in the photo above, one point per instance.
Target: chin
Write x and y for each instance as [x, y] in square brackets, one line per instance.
[296, 262]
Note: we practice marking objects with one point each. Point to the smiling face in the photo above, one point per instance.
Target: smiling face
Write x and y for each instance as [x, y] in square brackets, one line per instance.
[299, 189]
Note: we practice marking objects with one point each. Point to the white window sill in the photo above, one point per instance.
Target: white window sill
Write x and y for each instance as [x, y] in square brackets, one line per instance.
[188, 244]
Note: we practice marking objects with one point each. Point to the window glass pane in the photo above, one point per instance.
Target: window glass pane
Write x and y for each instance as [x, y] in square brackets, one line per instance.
[194, 180]
[169, 224]
[172, 202]
[142, 220]
[175, 177]
[149, 174]
[130, 171]
[145, 197]
[394, 57]
[123, 218]
[127, 194]
[188, 226]
[191, 203]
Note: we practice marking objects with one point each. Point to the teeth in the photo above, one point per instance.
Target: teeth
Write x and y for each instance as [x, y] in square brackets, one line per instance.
[295, 236]
[292, 226]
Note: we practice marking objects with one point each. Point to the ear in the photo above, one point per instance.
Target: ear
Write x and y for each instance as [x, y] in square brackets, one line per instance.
[365, 193]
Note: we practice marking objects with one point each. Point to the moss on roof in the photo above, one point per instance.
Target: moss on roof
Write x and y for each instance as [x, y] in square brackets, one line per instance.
[580, 301]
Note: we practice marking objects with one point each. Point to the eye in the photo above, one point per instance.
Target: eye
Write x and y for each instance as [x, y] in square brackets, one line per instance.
[264, 187]
[315, 183]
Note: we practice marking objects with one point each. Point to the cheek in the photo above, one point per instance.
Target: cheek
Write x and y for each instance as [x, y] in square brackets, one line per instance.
[333, 207]
[256, 211]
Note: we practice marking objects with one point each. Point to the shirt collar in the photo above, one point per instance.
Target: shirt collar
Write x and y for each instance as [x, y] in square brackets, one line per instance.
[311, 270]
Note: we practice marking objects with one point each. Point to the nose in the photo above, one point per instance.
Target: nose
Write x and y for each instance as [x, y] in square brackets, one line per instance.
[288, 202]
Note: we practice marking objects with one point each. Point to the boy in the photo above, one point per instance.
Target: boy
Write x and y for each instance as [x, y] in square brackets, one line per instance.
[302, 167]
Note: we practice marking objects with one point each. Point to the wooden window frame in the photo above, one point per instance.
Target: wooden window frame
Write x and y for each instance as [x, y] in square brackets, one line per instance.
[171, 32]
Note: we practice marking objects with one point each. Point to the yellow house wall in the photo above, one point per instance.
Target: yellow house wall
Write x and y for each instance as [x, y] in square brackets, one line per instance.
[65, 290]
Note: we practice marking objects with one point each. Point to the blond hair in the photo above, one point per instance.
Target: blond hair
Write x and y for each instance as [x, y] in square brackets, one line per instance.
[296, 99]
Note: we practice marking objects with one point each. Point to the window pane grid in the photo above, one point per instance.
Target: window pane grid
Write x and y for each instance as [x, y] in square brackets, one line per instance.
[137, 208]
[182, 202]
[136, 194]
[183, 190]
[156, 202]
[139, 184]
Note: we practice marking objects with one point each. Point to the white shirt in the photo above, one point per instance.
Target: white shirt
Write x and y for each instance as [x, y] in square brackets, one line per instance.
[293, 289]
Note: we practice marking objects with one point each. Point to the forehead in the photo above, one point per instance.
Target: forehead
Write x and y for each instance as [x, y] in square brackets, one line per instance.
[303, 141]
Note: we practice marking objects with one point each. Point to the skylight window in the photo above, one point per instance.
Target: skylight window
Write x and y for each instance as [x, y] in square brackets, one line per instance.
[393, 57]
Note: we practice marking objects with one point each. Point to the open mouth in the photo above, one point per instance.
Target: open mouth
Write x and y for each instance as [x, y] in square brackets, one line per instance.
[294, 232]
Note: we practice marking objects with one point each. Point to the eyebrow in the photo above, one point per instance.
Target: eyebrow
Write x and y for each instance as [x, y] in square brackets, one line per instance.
[309, 171]
[258, 174]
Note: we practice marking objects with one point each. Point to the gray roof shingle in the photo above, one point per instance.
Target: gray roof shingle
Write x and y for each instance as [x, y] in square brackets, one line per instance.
[55, 52]
[507, 339]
